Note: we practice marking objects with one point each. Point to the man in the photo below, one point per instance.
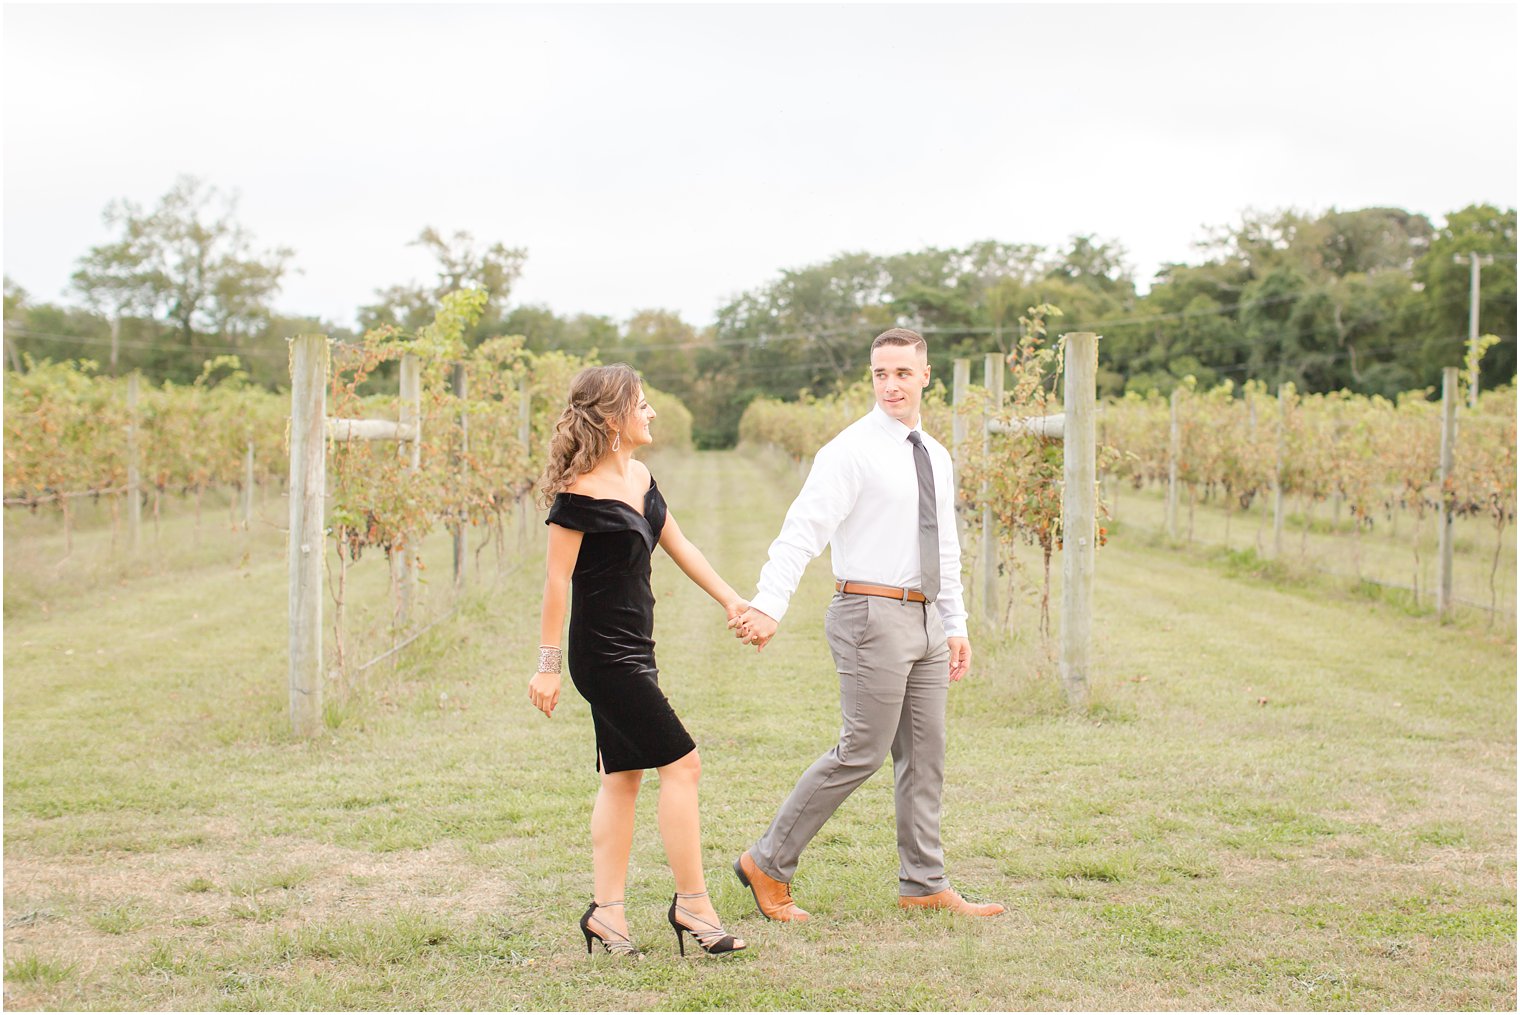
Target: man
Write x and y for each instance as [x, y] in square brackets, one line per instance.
[881, 494]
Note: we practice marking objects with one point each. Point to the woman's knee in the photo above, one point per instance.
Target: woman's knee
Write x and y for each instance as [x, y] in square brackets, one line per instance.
[687, 768]
[622, 783]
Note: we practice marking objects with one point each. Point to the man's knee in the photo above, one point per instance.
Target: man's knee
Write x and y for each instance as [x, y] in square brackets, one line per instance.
[863, 752]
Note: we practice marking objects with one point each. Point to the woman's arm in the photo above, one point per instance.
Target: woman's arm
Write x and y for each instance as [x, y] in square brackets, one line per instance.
[564, 548]
[689, 559]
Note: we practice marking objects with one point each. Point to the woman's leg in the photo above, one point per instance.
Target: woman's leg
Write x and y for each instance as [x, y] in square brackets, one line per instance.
[612, 841]
[681, 828]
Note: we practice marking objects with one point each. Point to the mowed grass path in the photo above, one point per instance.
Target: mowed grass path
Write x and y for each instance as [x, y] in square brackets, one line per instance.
[1275, 802]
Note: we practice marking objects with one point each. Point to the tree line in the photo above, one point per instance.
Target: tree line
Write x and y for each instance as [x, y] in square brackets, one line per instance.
[1372, 300]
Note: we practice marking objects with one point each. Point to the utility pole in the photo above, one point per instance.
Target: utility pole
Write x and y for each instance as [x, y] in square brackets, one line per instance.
[1476, 260]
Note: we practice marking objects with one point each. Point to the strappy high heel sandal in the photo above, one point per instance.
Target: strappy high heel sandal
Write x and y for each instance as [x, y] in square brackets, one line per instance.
[613, 942]
[712, 938]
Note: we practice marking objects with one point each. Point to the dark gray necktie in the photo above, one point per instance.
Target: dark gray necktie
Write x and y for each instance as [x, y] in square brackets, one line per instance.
[928, 520]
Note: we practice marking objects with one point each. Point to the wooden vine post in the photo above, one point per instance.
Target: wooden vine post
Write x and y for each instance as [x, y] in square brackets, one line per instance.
[1277, 471]
[308, 473]
[310, 430]
[134, 468]
[248, 488]
[1173, 452]
[461, 552]
[961, 384]
[1076, 428]
[1444, 517]
[525, 437]
[1079, 508]
[405, 562]
[992, 372]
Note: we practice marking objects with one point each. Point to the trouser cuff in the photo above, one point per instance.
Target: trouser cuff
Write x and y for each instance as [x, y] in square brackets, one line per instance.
[918, 889]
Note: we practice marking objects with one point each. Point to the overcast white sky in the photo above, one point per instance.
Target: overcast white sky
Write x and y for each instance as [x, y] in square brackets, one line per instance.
[674, 156]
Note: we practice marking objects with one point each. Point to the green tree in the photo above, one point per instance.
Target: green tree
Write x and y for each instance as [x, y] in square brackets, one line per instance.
[44, 331]
[1481, 229]
[1372, 240]
[458, 265]
[189, 262]
[661, 347]
[15, 300]
[1264, 241]
[1347, 299]
[544, 331]
[1097, 264]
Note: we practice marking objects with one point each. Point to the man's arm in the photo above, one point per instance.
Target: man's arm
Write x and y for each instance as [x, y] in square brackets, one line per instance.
[827, 498]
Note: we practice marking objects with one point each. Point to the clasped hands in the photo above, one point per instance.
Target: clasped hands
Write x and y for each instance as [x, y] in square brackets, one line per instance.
[750, 625]
[755, 628]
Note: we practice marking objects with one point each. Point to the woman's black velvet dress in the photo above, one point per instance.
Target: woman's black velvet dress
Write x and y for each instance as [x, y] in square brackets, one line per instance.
[611, 652]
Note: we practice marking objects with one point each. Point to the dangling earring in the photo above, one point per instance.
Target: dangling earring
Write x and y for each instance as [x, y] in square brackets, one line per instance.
[617, 439]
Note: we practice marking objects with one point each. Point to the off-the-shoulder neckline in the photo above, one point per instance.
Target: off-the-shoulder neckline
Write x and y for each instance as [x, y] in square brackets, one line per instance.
[617, 500]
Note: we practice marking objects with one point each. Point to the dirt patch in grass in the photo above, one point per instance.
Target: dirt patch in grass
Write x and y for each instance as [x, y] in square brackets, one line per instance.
[61, 908]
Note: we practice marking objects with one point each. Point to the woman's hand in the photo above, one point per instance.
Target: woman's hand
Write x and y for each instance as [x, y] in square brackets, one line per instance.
[735, 609]
[753, 628]
[543, 691]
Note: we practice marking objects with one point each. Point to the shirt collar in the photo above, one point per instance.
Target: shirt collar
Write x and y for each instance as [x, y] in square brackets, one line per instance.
[896, 428]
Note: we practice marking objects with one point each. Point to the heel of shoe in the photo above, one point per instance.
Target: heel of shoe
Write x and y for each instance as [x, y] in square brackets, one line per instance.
[615, 945]
[671, 916]
[739, 870]
[586, 924]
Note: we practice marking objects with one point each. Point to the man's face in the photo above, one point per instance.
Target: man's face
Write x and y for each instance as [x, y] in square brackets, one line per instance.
[900, 373]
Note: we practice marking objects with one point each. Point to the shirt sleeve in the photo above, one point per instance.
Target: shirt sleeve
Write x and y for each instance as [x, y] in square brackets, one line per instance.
[827, 498]
[951, 601]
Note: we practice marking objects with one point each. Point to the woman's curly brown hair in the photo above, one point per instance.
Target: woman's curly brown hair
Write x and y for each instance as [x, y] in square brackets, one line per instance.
[599, 396]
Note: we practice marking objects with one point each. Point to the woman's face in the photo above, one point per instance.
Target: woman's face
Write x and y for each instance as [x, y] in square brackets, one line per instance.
[636, 426]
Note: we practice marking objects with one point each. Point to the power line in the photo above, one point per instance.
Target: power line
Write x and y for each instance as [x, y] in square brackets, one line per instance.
[857, 330]
[1239, 342]
[154, 346]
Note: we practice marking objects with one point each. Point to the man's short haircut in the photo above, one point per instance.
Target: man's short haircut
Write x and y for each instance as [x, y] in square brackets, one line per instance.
[900, 336]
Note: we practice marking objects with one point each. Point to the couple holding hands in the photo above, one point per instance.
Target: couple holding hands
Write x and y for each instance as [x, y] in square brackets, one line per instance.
[882, 495]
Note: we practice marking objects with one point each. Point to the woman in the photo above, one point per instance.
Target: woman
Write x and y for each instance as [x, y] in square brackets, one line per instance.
[605, 517]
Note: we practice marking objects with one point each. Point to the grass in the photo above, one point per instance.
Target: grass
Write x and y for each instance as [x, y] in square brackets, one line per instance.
[124, 918]
[1327, 548]
[1278, 799]
[32, 971]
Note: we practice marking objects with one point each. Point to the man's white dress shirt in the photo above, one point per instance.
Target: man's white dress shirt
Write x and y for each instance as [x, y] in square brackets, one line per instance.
[861, 499]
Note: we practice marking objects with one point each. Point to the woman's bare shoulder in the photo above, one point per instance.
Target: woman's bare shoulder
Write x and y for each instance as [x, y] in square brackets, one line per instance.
[585, 484]
[593, 484]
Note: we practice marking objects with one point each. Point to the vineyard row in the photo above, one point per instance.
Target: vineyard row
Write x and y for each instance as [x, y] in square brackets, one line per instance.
[70, 433]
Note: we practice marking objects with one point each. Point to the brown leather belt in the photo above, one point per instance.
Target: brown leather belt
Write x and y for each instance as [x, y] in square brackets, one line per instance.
[885, 591]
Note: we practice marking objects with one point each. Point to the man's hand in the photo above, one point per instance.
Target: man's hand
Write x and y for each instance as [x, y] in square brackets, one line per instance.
[960, 657]
[753, 628]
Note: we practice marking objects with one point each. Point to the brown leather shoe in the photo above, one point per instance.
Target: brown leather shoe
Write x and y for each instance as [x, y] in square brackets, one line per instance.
[949, 899]
[773, 897]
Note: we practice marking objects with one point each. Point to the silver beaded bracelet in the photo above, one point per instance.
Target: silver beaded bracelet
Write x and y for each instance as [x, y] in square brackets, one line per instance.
[549, 659]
